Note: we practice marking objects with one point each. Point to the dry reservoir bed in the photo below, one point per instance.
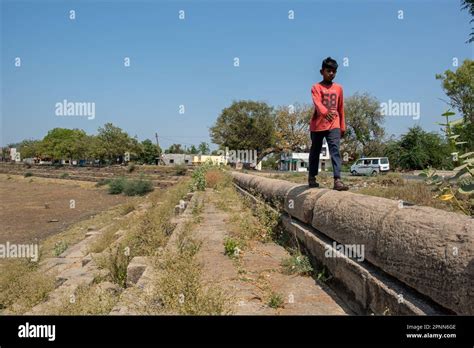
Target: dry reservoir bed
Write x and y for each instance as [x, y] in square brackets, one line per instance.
[32, 209]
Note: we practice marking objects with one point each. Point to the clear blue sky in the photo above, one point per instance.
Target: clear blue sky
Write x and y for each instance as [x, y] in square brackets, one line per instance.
[190, 62]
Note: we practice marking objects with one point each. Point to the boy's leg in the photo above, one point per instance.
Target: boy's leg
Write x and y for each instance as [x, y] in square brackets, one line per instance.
[333, 139]
[315, 151]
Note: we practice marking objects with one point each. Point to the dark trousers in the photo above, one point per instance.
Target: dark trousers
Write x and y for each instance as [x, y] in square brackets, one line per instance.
[333, 138]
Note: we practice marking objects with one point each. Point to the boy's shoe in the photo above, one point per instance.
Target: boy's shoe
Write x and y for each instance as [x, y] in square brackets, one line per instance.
[339, 185]
[312, 183]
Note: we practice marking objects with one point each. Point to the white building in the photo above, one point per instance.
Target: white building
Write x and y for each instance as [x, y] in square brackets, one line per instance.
[299, 161]
[177, 158]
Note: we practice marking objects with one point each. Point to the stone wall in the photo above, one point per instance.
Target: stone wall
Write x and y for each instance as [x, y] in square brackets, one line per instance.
[428, 249]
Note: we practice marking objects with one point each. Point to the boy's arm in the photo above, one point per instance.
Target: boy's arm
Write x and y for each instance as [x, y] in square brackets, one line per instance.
[317, 100]
[340, 111]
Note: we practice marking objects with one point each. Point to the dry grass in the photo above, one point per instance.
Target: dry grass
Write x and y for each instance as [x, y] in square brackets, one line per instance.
[179, 289]
[104, 240]
[23, 285]
[217, 179]
[87, 300]
[248, 221]
[144, 235]
[154, 227]
[414, 192]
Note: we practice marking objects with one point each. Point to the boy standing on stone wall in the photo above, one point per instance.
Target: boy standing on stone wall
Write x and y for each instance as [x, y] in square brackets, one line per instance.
[327, 122]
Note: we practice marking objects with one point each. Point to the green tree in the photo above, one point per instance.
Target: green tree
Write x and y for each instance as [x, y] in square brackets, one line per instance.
[204, 149]
[364, 131]
[175, 148]
[149, 152]
[418, 149]
[30, 148]
[63, 143]
[459, 87]
[114, 142]
[192, 150]
[292, 127]
[246, 125]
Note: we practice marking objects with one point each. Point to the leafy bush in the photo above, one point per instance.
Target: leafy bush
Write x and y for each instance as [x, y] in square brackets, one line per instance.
[199, 179]
[131, 167]
[207, 171]
[137, 187]
[28, 174]
[64, 176]
[116, 186]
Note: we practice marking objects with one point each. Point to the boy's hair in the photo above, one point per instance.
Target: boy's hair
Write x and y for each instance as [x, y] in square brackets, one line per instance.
[329, 63]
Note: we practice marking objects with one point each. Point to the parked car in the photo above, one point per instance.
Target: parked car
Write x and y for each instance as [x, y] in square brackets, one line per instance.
[370, 166]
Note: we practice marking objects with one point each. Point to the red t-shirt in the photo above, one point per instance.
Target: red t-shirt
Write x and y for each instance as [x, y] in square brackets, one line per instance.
[325, 99]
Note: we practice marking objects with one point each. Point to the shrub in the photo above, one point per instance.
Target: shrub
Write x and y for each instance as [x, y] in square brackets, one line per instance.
[131, 167]
[64, 176]
[137, 187]
[116, 186]
[28, 174]
[199, 179]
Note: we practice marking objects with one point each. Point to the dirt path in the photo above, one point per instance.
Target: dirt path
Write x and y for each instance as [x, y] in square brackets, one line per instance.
[256, 275]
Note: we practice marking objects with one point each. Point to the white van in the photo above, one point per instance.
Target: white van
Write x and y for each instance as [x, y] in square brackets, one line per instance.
[370, 166]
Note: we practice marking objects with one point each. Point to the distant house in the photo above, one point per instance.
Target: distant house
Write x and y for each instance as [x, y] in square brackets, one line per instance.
[171, 159]
[299, 161]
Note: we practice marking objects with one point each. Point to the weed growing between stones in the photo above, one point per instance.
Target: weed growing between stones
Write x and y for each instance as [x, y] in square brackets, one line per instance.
[209, 175]
[116, 262]
[275, 301]
[96, 299]
[153, 228]
[59, 248]
[231, 247]
[297, 264]
[179, 288]
[323, 275]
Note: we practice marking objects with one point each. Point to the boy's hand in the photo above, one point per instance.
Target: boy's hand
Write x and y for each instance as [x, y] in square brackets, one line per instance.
[330, 116]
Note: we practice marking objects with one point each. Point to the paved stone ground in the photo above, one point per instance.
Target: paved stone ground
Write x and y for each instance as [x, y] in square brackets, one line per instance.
[259, 273]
